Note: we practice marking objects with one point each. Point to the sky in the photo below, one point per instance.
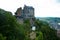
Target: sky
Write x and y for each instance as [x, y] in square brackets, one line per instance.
[43, 8]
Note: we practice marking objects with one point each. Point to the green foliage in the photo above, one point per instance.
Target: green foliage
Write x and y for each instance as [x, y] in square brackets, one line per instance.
[2, 37]
[10, 29]
[9, 26]
[48, 33]
[27, 27]
[39, 36]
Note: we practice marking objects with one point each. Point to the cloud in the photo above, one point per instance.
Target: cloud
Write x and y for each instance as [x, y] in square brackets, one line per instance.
[43, 8]
[49, 8]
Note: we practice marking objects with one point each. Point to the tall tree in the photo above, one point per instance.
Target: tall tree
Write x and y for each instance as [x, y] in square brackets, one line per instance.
[48, 33]
[9, 26]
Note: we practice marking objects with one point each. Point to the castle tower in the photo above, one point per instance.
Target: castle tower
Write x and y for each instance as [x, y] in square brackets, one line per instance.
[26, 13]
[18, 12]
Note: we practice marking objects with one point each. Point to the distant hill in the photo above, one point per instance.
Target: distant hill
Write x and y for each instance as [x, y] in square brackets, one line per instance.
[56, 19]
[53, 21]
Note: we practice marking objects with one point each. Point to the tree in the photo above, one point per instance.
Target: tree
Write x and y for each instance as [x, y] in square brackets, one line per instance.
[27, 27]
[9, 26]
[39, 36]
[48, 33]
[2, 37]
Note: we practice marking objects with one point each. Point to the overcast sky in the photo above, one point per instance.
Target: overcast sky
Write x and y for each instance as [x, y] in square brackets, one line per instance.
[43, 8]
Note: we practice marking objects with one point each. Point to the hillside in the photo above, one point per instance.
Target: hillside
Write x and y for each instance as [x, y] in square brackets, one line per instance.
[56, 19]
[53, 21]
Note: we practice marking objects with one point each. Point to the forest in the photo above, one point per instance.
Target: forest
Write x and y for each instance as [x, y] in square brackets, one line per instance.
[10, 29]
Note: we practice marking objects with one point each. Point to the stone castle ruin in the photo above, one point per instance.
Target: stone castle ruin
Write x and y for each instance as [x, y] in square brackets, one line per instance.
[26, 13]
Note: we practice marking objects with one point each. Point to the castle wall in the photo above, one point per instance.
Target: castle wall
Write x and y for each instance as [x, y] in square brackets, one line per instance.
[26, 13]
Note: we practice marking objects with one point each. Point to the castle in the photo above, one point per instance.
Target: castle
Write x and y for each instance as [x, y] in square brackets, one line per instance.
[26, 13]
